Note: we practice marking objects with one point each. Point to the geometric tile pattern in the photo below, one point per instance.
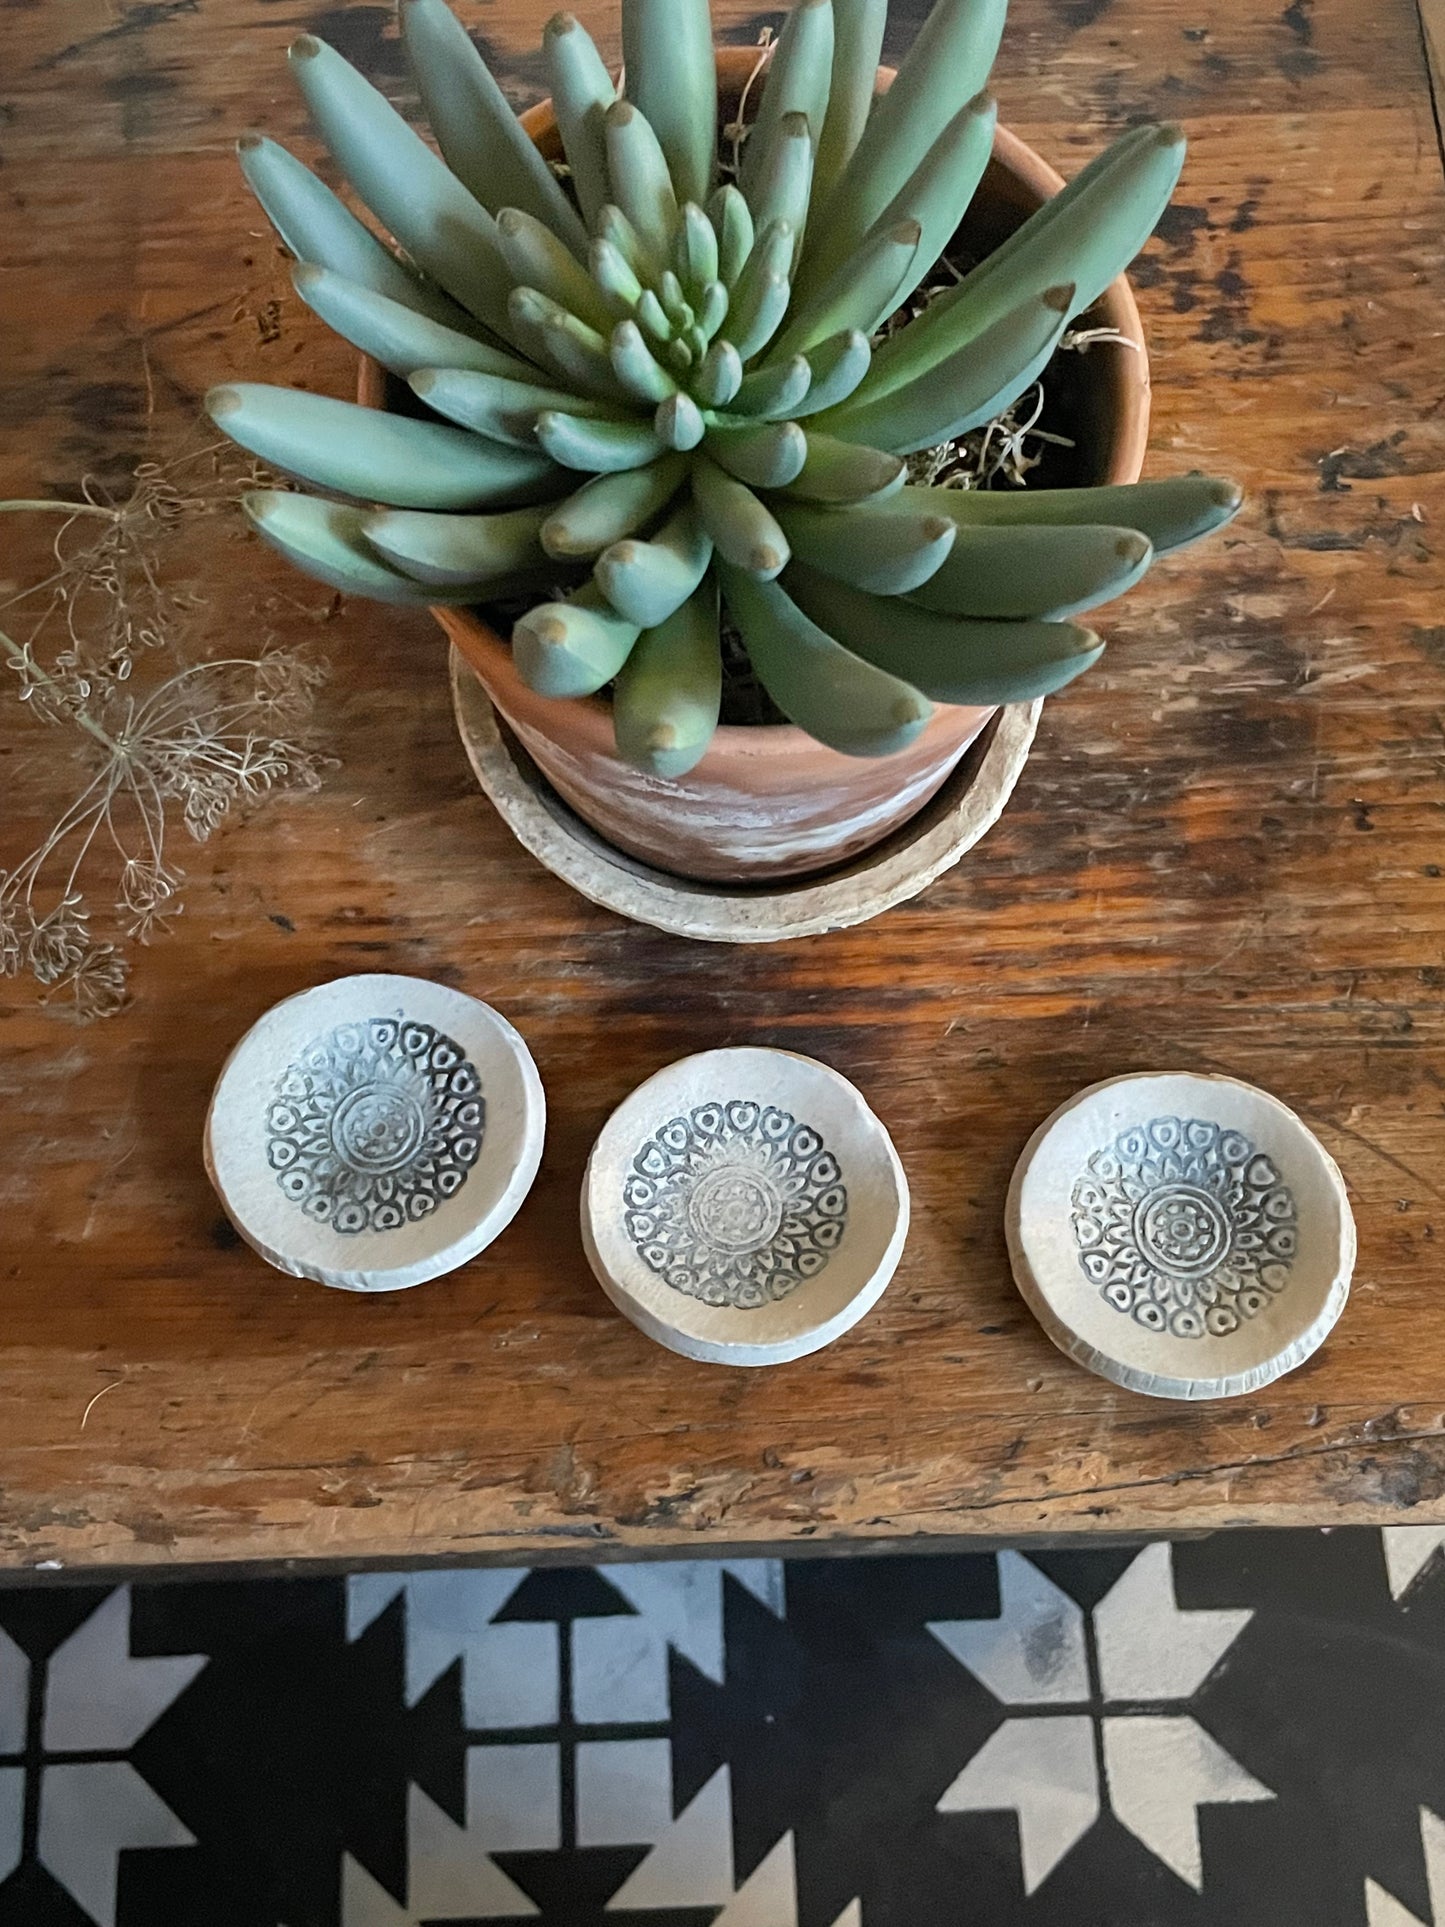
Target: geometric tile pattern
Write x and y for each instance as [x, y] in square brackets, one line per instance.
[1242, 1731]
[1124, 1672]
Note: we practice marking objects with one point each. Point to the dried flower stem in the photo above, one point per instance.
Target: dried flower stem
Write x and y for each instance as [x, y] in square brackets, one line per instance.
[42, 507]
[209, 737]
[41, 680]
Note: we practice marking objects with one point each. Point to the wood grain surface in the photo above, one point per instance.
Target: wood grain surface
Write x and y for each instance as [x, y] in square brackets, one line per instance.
[1226, 854]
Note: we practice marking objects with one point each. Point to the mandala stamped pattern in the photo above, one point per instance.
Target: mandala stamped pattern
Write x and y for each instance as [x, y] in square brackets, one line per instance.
[1185, 1226]
[736, 1204]
[375, 1125]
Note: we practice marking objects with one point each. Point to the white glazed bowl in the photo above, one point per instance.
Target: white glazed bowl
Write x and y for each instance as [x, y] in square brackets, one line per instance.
[1184, 1236]
[744, 1207]
[375, 1132]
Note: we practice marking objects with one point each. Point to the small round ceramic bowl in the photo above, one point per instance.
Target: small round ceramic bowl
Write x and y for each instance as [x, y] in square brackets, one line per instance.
[375, 1132]
[745, 1207]
[1184, 1236]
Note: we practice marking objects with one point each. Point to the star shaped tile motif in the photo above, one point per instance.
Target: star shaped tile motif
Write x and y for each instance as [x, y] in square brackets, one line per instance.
[1097, 1715]
[71, 1803]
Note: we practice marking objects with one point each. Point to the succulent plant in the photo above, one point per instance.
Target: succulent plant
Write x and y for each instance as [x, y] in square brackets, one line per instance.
[645, 387]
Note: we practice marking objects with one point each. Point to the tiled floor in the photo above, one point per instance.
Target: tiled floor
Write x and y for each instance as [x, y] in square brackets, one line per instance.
[1247, 1730]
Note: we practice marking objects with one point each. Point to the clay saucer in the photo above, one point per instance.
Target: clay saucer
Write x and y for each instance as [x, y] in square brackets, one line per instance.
[375, 1132]
[744, 1207]
[1187, 1237]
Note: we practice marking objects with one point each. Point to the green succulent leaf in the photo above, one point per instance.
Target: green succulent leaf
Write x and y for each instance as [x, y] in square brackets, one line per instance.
[641, 184]
[326, 540]
[448, 551]
[637, 367]
[679, 422]
[766, 456]
[483, 142]
[952, 660]
[652, 318]
[720, 377]
[672, 77]
[755, 321]
[861, 295]
[616, 281]
[838, 368]
[1171, 513]
[648, 581]
[599, 447]
[799, 80]
[696, 253]
[1012, 574]
[574, 350]
[714, 306]
[743, 529]
[398, 336]
[411, 190]
[582, 92]
[842, 701]
[321, 229]
[936, 195]
[537, 259]
[858, 27]
[1085, 237]
[611, 508]
[760, 298]
[502, 409]
[888, 551]
[377, 457]
[572, 648]
[843, 473]
[971, 387]
[675, 304]
[613, 225]
[669, 691]
[783, 185]
[946, 66]
[775, 391]
[736, 231]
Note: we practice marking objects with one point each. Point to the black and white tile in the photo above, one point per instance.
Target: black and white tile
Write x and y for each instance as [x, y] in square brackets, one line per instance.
[1246, 1731]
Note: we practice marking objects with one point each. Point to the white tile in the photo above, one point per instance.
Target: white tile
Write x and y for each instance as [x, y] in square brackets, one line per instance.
[1161, 1771]
[99, 1699]
[510, 1675]
[619, 1672]
[624, 1792]
[514, 1798]
[692, 1863]
[1148, 1648]
[1033, 1653]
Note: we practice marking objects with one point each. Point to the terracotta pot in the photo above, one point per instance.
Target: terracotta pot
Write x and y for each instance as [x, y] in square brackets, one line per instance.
[769, 803]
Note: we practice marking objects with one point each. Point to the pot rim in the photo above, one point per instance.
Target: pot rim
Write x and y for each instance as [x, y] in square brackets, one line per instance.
[1116, 308]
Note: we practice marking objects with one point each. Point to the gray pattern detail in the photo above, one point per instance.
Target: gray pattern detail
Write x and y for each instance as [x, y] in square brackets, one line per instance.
[375, 1125]
[736, 1204]
[1185, 1226]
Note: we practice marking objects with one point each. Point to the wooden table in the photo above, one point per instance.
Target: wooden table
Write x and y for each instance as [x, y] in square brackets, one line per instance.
[1226, 854]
